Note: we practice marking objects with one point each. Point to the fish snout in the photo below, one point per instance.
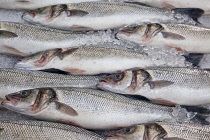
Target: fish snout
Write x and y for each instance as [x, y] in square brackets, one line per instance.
[28, 16]
[12, 99]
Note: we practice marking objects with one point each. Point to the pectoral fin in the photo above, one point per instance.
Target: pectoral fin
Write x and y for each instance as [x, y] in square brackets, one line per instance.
[159, 84]
[7, 34]
[61, 107]
[169, 6]
[174, 36]
[164, 102]
[62, 54]
[79, 13]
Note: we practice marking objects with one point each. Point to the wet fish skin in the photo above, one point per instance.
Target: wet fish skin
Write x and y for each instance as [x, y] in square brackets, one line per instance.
[88, 16]
[23, 40]
[179, 36]
[87, 108]
[169, 86]
[175, 131]
[86, 60]
[38, 130]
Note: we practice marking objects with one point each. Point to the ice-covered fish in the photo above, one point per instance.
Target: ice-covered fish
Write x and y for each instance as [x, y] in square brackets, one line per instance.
[38, 130]
[21, 39]
[89, 108]
[106, 15]
[193, 39]
[169, 86]
[163, 131]
[86, 60]
[34, 4]
[12, 80]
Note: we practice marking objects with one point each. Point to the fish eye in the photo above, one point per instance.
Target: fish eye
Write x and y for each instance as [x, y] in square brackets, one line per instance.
[118, 76]
[24, 93]
[129, 130]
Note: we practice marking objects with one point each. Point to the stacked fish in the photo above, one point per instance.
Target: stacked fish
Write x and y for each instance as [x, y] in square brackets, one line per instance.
[79, 78]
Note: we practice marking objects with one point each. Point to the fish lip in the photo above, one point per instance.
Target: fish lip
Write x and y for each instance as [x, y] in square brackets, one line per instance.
[28, 15]
[12, 99]
[18, 65]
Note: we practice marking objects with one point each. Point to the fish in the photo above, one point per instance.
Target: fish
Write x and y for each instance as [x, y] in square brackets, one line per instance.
[34, 4]
[92, 108]
[192, 39]
[162, 131]
[23, 40]
[40, 130]
[164, 85]
[171, 4]
[14, 80]
[86, 60]
[91, 16]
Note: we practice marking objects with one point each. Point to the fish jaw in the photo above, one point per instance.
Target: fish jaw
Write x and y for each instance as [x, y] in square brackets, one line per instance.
[32, 17]
[26, 65]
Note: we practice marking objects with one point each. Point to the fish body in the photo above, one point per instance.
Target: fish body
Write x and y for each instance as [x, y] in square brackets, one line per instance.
[22, 40]
[193, 39]
[88, 60]
[38, 130]
[169, 86]
[87, 108]
[103, 15]
[174, 131]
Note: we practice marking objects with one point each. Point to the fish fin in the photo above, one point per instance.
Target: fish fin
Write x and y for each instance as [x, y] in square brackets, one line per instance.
[62, 54]
[177, 48]
[74, 71]
[23, 1]
[7, 34]
[79, 13]
[169, 6]
[164, 102]
[137, 3]
[68, 122]
[200, 110]
[174, 36]
[193, 13]
[173, 138]
[195, 59]
[65, 109]
[80, 28]
[11, 51]
[159, 84]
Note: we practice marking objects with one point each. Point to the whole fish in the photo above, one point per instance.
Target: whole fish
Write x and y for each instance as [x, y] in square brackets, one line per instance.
[12, 80]
[89, 108]
[173, 4]
[34, 4]
[163, 131]
[106, 15]
[168, 86]
[21, 39]
[179, 36]
[86, 60]
[38, 130]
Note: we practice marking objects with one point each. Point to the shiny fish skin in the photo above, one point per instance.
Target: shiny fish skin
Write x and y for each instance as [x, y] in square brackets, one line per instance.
[22, 40]
[34, 4]
[102, 15]
[86, 60]
[182, 37]
[37, 130]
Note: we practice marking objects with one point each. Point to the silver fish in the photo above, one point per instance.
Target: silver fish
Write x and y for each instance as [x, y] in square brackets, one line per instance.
[21, 39]
[179, 36]
[169, 86]
[103, 15]
[38, 130]
[86, 60]
[163, 131]
[89, 108]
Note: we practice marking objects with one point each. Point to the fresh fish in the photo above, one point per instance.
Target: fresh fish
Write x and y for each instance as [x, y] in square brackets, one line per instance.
[86, 60]
[34, 4]
[38, 130]
[173, 4]
[163, 131]
[12, 80]
[89, 108]
[21, 39]
[168, 86]
[103, 15]
[193, 39]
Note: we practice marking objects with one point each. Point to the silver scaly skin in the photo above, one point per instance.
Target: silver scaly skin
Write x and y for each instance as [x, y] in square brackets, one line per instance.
[38, 130]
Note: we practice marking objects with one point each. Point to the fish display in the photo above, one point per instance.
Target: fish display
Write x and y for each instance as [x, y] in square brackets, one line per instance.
[89, 108]
[39, 130]
[162, 131]
[88, 60]
[168, 86]
[22, 40]
[88, 16]
[193, 39]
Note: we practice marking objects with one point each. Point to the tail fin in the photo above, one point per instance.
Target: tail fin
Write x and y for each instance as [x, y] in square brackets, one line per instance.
[195, 59]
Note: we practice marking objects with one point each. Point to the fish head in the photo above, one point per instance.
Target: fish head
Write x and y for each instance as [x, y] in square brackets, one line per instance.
[37, 61]
[140, 34]
[29, 102]
[127, 82]
[44, 15]
[129, 133]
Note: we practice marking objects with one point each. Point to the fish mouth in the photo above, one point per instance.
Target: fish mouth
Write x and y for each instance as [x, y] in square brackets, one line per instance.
[28, 16]
[13, 100]
[28, 66]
